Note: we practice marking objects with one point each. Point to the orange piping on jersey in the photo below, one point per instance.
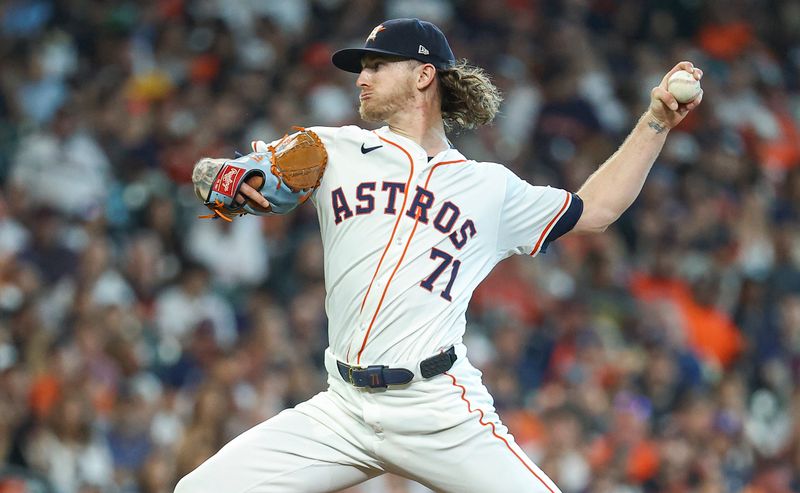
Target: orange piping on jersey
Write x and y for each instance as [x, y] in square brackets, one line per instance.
[494, 431]
[397, 221]
[552, 223]
[402, 256]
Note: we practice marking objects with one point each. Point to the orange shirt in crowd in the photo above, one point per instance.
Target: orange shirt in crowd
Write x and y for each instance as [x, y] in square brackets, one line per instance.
[710, 332]
[725, 41]
[641, 460]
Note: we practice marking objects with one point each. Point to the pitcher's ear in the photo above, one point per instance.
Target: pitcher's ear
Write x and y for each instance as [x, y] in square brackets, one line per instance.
[426, 76]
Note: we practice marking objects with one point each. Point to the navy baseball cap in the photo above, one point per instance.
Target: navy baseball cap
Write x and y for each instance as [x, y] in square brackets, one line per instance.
[407, 38]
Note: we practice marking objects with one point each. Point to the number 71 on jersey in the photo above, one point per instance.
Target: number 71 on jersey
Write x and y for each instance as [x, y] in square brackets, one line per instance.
[446, 261]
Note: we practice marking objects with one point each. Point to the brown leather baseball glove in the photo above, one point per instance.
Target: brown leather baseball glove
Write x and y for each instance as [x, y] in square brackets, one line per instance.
[285, 173]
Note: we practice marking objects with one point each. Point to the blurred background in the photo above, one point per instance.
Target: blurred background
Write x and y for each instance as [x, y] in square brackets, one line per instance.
[136, 339]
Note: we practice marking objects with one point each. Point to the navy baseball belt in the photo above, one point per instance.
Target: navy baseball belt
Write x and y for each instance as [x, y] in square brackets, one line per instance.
[380, 376]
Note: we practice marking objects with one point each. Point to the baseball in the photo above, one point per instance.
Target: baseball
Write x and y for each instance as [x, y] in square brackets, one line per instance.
[683, 86]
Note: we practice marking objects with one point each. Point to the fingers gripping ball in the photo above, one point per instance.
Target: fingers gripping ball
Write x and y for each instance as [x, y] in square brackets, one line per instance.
[683, 86]
[284, 174]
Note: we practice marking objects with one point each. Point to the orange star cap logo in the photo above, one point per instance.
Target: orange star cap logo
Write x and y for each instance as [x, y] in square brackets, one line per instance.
[375, 32]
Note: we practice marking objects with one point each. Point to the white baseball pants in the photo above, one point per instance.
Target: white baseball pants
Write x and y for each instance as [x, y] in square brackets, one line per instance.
[442, 432]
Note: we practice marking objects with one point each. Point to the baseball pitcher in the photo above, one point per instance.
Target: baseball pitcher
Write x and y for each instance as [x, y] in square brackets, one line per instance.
[410, 227]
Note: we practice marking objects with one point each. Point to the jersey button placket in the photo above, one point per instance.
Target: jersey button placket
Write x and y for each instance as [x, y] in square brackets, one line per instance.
[393, 254]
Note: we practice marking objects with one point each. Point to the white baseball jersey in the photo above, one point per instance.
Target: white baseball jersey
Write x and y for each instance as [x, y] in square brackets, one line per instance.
[408, 239]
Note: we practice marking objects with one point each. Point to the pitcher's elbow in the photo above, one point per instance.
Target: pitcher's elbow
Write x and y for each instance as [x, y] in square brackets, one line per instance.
[595, 221]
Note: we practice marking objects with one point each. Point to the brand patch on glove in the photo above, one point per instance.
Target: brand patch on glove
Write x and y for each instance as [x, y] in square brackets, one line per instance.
[227, 182]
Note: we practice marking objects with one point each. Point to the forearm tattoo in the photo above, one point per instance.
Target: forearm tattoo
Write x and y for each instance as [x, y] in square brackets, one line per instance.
[659, 128]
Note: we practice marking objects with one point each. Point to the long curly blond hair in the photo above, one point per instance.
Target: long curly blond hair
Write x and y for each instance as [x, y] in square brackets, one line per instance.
[469, 99]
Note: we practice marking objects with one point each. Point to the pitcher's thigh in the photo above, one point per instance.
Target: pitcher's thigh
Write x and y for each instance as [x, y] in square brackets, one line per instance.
[489, 462]
[289, 453]
[463, 461]
[471, 451]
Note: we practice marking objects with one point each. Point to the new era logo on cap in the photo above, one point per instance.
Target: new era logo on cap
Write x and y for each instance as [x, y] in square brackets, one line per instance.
[406, 38]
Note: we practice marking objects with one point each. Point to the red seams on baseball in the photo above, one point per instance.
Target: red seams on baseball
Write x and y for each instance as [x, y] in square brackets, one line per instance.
[683, 86]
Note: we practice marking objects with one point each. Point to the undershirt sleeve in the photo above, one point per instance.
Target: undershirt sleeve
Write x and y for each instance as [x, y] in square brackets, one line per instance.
[566, 222]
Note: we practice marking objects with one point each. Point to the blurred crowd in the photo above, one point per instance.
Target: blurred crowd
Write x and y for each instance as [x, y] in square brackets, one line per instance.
[136, 339]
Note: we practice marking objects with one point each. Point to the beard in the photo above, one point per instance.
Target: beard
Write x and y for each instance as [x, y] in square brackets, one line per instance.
[381, 108]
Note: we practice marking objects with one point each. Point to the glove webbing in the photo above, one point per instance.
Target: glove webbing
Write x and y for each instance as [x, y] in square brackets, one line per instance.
[277, 172]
